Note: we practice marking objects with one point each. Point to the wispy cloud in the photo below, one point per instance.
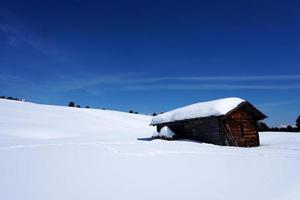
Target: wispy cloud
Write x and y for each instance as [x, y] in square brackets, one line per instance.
[133, 82]
[237, 78]
[9, 31]
[135, 79]
[6, 28]
[212, 87]
[15, 84]
[276, 104]
[7, 78]
[98, 84]
[18, 32]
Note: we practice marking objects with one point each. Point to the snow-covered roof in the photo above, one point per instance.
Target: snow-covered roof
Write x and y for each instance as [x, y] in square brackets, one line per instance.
[198, 110]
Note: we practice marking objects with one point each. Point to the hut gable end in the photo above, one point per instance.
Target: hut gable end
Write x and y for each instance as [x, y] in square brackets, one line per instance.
[241, 113]
[246, 111]
[241, 125]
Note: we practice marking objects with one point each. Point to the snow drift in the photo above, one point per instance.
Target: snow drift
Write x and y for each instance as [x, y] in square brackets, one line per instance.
[165, 133]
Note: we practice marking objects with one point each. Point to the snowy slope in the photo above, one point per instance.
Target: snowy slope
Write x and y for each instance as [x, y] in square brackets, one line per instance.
[52, 152]
[28, 120]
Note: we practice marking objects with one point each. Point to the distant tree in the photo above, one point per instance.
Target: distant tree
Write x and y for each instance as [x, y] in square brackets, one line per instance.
[154, 114]
[78, 106]
[289, 128]
[71, 104]
[2, 97]
[133, 112]
[298, 122]
[87, 107]
[10, 98]
[262, 126]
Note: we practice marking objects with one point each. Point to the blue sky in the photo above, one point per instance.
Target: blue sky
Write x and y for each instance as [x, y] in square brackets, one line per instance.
[152, 56]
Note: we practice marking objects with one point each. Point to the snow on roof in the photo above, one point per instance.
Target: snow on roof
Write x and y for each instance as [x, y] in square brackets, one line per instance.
[197, 110]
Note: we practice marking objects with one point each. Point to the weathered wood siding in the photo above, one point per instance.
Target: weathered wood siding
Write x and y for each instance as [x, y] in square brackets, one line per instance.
[242, 127]
[203, 130]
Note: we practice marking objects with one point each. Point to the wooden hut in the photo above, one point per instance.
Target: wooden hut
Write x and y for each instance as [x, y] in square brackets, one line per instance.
[228, 121]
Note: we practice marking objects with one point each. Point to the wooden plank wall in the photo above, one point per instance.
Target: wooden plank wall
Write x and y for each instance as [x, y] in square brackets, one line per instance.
[242, 119]
[204, 130]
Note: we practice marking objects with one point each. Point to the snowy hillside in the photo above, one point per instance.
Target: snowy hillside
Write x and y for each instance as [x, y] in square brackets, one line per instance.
[53, 152]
